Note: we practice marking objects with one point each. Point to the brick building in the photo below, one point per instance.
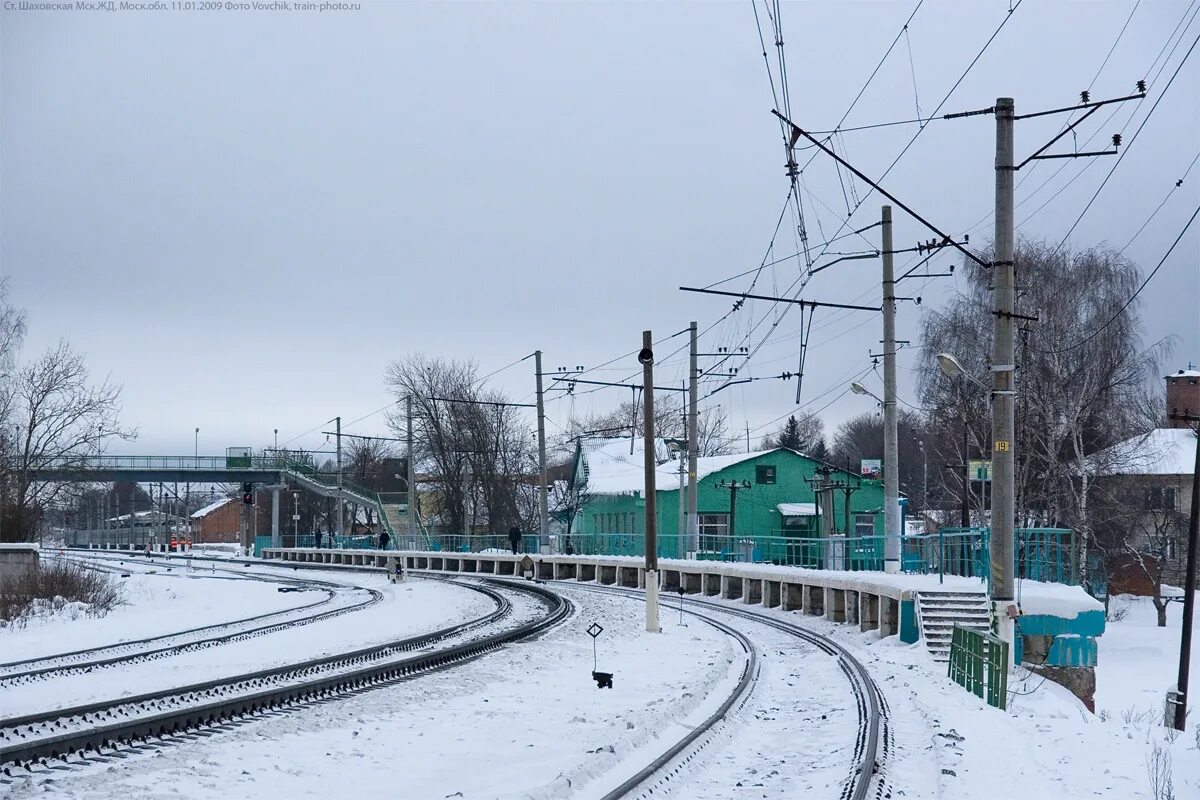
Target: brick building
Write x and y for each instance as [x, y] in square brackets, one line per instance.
[219, 521]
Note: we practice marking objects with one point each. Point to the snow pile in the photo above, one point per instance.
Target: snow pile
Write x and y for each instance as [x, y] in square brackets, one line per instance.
[1055, 599]
[42, 610]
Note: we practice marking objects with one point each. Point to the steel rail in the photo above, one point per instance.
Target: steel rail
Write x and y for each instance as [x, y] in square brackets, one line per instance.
[126, 732]
[870, 752]
[222, 633]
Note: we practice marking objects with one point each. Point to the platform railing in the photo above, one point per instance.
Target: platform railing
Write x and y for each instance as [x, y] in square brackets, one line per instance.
[1043, 554]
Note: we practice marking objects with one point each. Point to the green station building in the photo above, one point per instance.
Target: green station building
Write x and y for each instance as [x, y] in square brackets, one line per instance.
[772, 505]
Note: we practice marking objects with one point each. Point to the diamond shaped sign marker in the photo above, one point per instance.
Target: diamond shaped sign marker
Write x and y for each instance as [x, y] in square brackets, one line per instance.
[594, 630]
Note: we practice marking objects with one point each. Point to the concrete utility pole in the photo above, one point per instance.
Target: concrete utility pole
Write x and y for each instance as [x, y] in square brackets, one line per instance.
[646, 357]
[410, 507]
[340, 502]
[543, 505]
[693, 447]
[1003, 388]
[681, 528]
[1189, 588]
[891, 435]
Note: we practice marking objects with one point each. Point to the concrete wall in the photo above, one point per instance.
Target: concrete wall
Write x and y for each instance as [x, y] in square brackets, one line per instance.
[16, 559]
[856, 598]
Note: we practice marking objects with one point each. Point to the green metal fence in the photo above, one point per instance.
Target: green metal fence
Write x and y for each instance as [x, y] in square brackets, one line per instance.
[979, 664]
[1040, 554]
[1044, 554]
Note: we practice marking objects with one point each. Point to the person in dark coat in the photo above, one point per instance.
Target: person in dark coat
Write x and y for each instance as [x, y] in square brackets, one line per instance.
[383, 540]
[514, 538]
[319, 536]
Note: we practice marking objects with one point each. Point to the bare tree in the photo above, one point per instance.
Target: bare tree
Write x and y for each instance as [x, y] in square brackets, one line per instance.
[861, 437]
[60, 417]
[670, 422]
[1082, 373]
[474, 445]
[569, 499]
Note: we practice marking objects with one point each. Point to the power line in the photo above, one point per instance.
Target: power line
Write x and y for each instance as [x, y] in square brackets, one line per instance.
[1133, 297]
[946, 97]
[1154, 213]
[1129, 146]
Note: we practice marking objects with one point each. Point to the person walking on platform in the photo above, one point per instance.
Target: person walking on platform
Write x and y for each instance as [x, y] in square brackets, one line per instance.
[318, 538]
[383, 539]
[514, 538]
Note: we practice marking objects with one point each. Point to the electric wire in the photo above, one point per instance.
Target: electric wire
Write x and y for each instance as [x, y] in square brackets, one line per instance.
[1132, 297]
[1129, 146]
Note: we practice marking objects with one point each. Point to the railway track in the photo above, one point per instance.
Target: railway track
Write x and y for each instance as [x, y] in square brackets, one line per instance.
[68, 735]
[872, 743]
[133, 651]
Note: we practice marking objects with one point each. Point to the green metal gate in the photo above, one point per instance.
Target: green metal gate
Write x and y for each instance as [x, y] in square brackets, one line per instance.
[979, 664]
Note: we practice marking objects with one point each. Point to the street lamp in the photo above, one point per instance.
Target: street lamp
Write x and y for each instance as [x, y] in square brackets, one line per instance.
[858, 388]
[196, 444]
[952, 368]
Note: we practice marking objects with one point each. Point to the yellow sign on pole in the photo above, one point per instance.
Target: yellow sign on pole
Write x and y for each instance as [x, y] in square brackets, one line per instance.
[1000, 446]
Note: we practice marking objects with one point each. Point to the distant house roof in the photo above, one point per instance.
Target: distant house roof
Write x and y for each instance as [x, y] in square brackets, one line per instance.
[1162, 451]
[1184, 373]
[211, 507]
[609, 467]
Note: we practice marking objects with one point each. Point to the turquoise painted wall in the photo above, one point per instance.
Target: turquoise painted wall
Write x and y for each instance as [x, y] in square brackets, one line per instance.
[756, 514]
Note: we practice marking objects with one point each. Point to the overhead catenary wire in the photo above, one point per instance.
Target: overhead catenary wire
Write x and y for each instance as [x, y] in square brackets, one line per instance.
[842, 226]
[1129, 145]
[1132, 297]
[1174, 187]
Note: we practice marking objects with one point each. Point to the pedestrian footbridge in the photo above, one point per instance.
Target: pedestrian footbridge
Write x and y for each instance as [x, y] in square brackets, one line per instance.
[269, 470]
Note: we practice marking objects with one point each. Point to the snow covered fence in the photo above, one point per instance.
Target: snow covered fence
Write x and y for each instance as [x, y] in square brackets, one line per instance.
[873, 601]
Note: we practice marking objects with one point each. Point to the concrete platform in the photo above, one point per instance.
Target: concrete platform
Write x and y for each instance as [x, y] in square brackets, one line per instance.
[871, 600]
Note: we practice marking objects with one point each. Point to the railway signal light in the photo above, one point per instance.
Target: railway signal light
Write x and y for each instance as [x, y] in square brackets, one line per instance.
[248, 493]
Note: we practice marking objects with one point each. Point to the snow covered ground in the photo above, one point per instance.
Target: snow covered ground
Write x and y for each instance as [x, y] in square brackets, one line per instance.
[154, 604]
[951, 745]
[1138, 662]
[527, 721]
[406, 610]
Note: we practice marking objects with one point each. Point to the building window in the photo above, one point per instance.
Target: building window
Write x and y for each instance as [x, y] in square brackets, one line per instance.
[1160, 498]
[714, 531]
[864, 524]
[1171, 552]
[764, 473]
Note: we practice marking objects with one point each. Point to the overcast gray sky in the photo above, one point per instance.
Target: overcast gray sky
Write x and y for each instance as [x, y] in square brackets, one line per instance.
[242, 217]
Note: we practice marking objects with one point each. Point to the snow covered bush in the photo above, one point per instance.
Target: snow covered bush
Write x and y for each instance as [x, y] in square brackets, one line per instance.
[1158, 769]
[1118, 608]
[57, 588]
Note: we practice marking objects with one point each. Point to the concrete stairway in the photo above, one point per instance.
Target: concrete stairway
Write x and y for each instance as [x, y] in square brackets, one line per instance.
[395, 514]
[939, 612]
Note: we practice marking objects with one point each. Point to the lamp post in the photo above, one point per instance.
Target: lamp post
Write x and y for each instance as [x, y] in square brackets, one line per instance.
[891, 476]
[1001, 541]
[196, 445]
[952, 368]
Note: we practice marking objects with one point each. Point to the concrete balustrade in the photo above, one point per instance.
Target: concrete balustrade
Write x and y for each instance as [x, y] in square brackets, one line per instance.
[860, 598]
